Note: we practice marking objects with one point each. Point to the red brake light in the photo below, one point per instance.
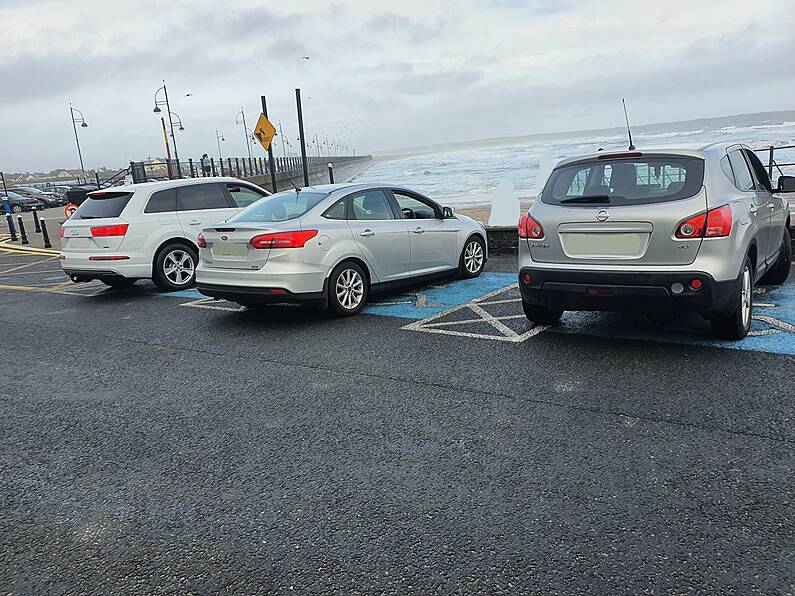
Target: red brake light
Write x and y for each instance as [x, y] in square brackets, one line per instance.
[117, 230]
[295, 239]
[530, 228]
[715, 223]
[201, 242]
[719, 222]
[625, 155]
[61, 232]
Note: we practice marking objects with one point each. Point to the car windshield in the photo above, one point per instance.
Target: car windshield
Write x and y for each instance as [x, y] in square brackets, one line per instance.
[281, 206]
[630, 180]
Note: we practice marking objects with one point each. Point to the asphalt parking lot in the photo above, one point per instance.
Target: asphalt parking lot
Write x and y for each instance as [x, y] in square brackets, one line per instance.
[157, 443]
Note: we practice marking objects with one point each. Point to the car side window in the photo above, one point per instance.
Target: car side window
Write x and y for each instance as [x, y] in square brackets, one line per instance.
[758, 171]
[336, 211]
[412, 208]
[742, 175]
[727, 169]
[243, 196]
[201, 196]
[371, 205]
[162, 201]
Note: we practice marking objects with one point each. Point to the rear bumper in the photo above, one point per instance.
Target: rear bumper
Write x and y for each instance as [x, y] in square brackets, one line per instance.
[79, 264]
[259, 295]
[627, 291]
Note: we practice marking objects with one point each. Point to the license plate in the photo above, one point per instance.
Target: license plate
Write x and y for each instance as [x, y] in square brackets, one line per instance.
[230, 250]
[77, 243]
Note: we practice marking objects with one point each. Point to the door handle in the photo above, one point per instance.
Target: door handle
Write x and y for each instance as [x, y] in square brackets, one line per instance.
[418, 230]
[753, 209]
[367, 232]
[194, 222]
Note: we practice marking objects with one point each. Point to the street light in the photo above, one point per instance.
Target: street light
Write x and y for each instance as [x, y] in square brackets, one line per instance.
[219, 136]
[156, 110]
[281, 134]
[83, 124]
[179, 121]
[245, 129]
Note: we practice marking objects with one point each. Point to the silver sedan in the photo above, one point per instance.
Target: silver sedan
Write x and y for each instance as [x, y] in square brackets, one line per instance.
[334, 245]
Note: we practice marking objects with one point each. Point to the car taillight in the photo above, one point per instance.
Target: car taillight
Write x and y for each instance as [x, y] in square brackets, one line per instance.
[117, 230]
[201, 242]
[715, 223]
[295, 239]
[61, 232]
[530, 228]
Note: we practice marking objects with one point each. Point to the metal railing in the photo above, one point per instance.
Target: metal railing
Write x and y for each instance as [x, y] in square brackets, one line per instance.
[238, 167]
[774, 165]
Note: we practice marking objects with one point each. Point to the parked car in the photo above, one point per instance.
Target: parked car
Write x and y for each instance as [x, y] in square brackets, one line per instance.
[672, 230]
[20, 203]
[46, 199]
[335, 244]
[141, 231]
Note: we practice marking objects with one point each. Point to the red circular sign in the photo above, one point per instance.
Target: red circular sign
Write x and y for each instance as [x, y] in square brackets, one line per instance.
[69, 209]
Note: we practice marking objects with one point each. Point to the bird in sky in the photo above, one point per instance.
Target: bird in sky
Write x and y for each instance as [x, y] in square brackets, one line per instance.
[305, 57]
[189, 95]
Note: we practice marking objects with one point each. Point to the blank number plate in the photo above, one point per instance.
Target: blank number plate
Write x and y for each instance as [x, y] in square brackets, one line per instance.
[230, 250]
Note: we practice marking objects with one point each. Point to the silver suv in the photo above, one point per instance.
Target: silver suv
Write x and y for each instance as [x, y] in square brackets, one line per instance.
[663, 230]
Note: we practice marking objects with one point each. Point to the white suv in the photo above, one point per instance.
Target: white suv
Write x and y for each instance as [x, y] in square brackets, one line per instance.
[143, 231]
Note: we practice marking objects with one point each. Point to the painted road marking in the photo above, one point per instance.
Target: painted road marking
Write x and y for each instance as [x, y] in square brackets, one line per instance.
[485, 325]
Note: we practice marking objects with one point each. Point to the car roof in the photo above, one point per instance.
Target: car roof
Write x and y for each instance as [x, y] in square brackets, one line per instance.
[164, 184]
[709, 151]
[351, 187]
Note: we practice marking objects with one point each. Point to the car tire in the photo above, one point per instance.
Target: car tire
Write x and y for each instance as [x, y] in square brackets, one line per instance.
[16, 208]
[737, 325]
[119, 283]
[473, 258]
[175, 267]
[779, 272]
[348, 287]
[540, 315]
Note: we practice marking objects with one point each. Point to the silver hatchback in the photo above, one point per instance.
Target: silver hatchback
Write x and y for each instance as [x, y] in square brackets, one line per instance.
[661, 230]
[334, 245]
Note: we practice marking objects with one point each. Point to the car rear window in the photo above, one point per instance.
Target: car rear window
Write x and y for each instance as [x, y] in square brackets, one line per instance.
[103, 204]
[625, 181]
[281, 206]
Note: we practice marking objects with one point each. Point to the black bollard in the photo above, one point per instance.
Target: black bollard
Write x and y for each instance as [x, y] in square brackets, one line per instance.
[331, 173]
[45, 236]
[11, 229]
[22, 235]
[36, 221]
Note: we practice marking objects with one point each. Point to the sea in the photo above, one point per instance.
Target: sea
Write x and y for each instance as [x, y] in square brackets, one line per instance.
[466, 174]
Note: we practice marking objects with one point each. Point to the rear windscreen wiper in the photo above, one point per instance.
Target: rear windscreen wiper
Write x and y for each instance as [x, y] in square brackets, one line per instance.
[587, 199]
[88, 217]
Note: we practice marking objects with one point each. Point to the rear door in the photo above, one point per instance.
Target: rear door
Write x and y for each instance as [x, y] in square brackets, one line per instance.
[434, 240]
[202, 205]
[620, 209]
[755, 200]
[380, 235]
[98, 225]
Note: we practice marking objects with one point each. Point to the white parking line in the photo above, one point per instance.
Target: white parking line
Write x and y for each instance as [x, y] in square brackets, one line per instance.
[216, 305]
[433, 324]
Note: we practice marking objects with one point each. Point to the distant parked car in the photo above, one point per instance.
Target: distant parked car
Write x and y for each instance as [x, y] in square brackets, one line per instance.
[333, 245]
[655, 230]
[47, 199]
[125, 233]
[20, 203]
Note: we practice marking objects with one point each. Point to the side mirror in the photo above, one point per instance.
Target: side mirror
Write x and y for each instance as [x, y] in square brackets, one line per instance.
[786, 184]
[447, 212]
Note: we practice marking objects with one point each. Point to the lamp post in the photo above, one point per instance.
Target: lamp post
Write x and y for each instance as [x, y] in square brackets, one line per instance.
[156, 110]
[281, 134]
[75, 121]
[219, 136]
[245, 129]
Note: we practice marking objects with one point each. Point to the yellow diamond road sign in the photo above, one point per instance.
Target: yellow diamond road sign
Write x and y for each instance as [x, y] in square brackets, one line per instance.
[264, 131]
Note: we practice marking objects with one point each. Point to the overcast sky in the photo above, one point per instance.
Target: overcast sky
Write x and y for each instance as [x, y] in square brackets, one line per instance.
[381, 75]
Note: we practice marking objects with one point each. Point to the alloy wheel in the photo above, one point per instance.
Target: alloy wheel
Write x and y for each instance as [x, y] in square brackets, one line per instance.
[746, 297]
[178, 267]
[349, 289]
[473, 257]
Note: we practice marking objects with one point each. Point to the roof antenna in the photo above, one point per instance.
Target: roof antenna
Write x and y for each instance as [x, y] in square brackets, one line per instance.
[626, 118]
